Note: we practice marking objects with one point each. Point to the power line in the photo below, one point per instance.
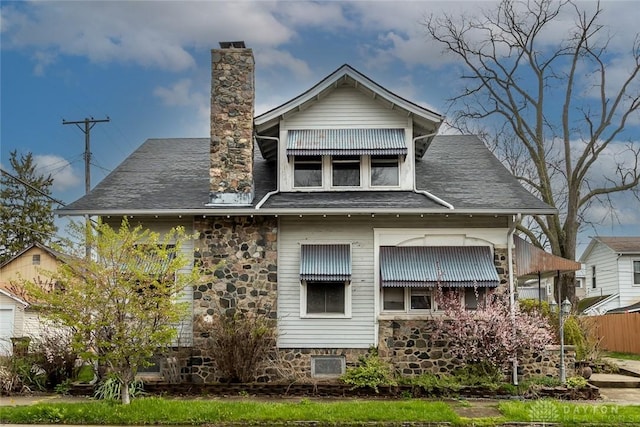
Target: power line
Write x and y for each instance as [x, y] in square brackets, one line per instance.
[36, 189]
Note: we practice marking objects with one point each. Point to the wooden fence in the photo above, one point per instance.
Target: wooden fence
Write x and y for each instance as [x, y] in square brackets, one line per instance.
[619, 332]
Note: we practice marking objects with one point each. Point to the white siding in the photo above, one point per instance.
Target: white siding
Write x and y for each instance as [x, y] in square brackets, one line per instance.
[345, 108]
[296, 332]
[162, 226]
[359, 331]
[629, 293]
[32, 325]
[606, 265]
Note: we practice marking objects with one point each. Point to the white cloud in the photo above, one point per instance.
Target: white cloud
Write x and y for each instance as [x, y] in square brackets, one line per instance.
[155, 34]
[60, 169]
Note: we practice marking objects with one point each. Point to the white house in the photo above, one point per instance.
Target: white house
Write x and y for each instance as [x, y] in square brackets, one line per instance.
[337, 211]
[612, 273]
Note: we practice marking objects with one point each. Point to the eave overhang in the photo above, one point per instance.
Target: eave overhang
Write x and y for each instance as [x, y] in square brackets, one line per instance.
[298, 211]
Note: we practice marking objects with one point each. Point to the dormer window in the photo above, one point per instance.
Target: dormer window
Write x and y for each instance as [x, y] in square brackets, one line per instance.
[307, 171]
[345, 171]
[384, 171]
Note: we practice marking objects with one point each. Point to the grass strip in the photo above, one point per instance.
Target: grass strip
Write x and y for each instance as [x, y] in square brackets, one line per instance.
[624, 356]
[161, 411]
[570, 413]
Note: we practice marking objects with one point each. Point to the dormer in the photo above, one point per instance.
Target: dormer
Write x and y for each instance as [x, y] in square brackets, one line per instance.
[346, 133]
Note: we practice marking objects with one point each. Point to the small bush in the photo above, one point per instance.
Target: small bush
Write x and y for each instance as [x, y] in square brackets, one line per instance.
[241, 341]
[371, 372]
[576, 382]
[110, 388]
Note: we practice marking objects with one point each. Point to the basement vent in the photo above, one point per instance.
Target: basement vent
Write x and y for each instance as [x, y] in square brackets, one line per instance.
[327, 366]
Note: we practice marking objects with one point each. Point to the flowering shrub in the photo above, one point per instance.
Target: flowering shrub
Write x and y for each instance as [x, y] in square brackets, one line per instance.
[490, 335]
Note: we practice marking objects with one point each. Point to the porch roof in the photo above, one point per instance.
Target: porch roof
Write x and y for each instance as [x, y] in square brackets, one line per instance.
[429, 266]
[531, 260]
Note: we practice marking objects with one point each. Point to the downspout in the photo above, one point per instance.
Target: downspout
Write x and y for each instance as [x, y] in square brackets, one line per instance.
[512, 297]
[424, 192]
[277, 190]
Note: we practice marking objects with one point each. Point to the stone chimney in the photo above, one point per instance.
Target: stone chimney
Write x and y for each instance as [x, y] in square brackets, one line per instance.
[232, 108]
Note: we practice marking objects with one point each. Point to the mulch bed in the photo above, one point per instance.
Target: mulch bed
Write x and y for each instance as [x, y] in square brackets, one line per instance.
[326, 390]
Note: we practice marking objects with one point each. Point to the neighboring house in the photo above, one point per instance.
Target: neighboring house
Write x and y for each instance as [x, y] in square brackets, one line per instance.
[337, 212]
[612, 273]
[16, 318]
[12, 314]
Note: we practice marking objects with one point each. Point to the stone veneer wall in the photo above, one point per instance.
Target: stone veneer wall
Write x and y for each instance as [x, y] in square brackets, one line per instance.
[237, 256]
[406, 344]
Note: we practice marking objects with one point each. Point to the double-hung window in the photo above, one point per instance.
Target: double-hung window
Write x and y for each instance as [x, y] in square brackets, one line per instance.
[345, 171]
[384, 171]
[636, 273]
[325, 277]
[307, 171]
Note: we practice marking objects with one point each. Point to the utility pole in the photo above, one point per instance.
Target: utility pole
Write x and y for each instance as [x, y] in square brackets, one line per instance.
[89, 123]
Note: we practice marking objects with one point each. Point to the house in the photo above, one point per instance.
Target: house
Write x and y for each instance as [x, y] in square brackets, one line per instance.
[612, 274]
[337, 212]
[17, 320]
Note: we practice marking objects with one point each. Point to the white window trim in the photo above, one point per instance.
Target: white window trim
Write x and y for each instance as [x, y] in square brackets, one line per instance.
[326, 171]
[407, 303]
[633, 281]
[347, 304]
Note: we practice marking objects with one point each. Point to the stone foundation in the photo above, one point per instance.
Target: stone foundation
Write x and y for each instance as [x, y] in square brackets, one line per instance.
[296, 362]
[407, 345]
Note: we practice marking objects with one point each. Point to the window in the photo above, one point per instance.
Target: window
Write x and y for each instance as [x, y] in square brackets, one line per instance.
[325, 297]
[384, 171]
[420, 299]
[307, 171]
[593, 277]
[346, 171]
[471, 300]
[393, 299]
[327, 366]
[35, 259]
[636, 272]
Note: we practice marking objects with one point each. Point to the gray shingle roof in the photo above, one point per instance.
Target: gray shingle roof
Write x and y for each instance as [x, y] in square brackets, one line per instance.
[621, 244]
[172, 176]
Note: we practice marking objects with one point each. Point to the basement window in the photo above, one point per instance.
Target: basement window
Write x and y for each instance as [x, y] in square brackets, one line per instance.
[327, 366]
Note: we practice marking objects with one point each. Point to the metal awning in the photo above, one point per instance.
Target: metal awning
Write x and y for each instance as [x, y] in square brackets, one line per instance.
[327, 263]
[346, 142]
[429, 266]
[533, 261]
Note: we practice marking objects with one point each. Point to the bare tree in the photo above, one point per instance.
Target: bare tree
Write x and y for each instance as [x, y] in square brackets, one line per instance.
[557, 116]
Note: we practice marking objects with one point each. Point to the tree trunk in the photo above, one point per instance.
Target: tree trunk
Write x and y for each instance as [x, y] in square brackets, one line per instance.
[124, 392]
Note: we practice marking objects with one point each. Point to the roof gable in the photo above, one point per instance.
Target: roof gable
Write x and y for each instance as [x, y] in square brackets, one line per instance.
[54, 254]
[617, 245]
[346, 76]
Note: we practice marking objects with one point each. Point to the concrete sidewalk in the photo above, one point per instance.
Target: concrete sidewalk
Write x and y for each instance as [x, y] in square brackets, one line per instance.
[627, 367]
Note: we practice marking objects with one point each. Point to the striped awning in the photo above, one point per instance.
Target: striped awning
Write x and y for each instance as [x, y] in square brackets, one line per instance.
[346, 142]
[327, 263]
[428, 266]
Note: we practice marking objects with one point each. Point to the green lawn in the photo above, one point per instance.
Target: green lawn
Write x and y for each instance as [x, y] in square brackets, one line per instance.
[160, 411]
[626, 356]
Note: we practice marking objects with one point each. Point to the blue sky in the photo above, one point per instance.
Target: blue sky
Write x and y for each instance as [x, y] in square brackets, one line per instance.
[146, 65]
